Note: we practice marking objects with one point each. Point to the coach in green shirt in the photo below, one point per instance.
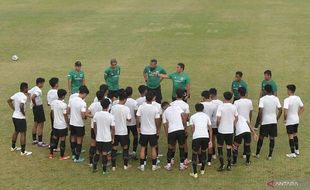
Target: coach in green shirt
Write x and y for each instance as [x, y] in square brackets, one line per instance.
[111, 77]
[238, 83]
[76, 78]
[151, 76]
[268, 80]
[180, 80]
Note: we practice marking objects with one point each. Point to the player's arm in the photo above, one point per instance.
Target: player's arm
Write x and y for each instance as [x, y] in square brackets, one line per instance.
[70, 84]
[22, 108]
[184, 119]
[218, 121]
[105, 75]
[144, 76]
[260, 114]
[252, 131]
[301, 110]
[210, 135]
[163, 76]
[279, 113]
[10, 102]
[113, 133]
[251, 113]
[138, 124]
[95, 127]
[166, 125]
[158, 125]
[236, 120]
[188, 91]
[66, 118]
[285, 113]
[88, 114]
[84, 115]
[33, 99]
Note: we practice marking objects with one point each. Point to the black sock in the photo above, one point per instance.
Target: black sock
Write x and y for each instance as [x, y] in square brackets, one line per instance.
[52, 146]
[62, 148]
[228, 156]
[194, 164]
[154, 161]
[23, 146]
[13, 144]
[40, 138]
[199, 158]
[169, 155]
[135, 144]
[78, 151]
[182, 157]
[142, 161]
[203, 160]
[235, 155]
[296, 142]
[92, 151]
[209, 157]
[292, 147]
[95, 161]
[104, 163]
[73, 148]
[247, 150]
[271, 147]
[173, 154]
[125, 156]
[259, 144]
[221, 157]
[34, 136]
[113, 154]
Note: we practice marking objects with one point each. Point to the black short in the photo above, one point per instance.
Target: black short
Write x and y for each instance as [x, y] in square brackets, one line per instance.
[20, 125]
[227, 138]
[214, 131]
[157, 93]
[104, 146]
[200, 143]
[245, 136]
[61, 132]
[133, 130]
[121, 139]
[92, 134]
[268, 130]
[77, 131]
[38, 114]
[148, 139]
[176, 136]
[291, 129]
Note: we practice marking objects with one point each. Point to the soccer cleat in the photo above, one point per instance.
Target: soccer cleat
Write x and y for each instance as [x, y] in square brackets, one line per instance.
[144, 163]
[50, 156]
[15, 149]
[90, 165]
[247, 163]
[209, 164]
[297, 152]
[199, 164]
[64, 158]
[154, 168]
[42, 145]
[269, 157]
[160, 155]
[113, 169]
[73, 157]
[127, 167]
[244, 156]
[228, 168]
[82, 151]
[105, 173]
[182, 167]
[26, 153]
[214, 156]
[256, 156]
[141, 168]
[194, 175]
[202, 172]
[157, 162]
[56, 150]
[34, 142]
[168, 167]
[78, 160]
[291, 155]
[221, 168]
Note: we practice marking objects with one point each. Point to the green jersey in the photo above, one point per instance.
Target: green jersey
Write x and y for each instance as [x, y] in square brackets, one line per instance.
[236, 85]
[77, 79]
[270, 82]
[111, 77]
[179, 81]
[153, 81]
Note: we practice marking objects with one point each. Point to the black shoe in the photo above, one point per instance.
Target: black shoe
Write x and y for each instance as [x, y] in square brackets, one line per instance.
[228, 168]
[248, 163]
[221, 168]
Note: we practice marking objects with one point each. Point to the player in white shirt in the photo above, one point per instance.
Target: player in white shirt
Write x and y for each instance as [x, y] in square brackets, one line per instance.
[77, 110]
[268, 119]
[38, 112]
[142, 90]
[148, 118]
[132, 124]
[174, 120]
[293, 108]
[227, 117]
[210, 109]
[17, 103]
[217, 102]
[105, 90]
[92, 110]
[61, 122]
[202, 133]
[243, 132]
[51, 96]
[104, 128]
[121, 114]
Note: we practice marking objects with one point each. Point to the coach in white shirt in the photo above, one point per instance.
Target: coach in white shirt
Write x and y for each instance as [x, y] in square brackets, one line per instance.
[268, 117]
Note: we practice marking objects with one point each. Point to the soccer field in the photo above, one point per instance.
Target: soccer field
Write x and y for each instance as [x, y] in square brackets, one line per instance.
[213, 38]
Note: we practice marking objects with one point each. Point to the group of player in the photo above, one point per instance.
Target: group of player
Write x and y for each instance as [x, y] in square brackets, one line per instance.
[115, 114]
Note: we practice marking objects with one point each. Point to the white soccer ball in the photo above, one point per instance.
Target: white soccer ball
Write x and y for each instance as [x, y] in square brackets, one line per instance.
[14, 58]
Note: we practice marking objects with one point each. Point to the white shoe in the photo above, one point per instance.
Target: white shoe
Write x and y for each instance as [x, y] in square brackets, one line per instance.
[160, 155]
[244, 156]
[214, 157]
[182, 167]
[26, 153]
[269, 157]
[194, 175]
[209, 163]
[202, 172]
[113, 169]
[187, 161]
[291, 155]
[154, 168]
[297, 152]
[168, 167]
[157, 162]
[127, 167]
[16, 148]
[90, 165]
[256, 156]
[144, 163]
[141, 168]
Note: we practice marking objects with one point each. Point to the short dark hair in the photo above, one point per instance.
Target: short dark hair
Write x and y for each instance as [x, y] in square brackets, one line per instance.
[268, 72]
[228, 95]
[242, 91]
[180, 93]
[199, 107]
[105, 103]
[23, 86]
[268, 88]
[99, 95]
[40, 80]
[53, 81]
[61, 93]
[164, 104]
[113, 94]
[83, 90]
[122, 96]
[213, 91]
[128, 90]
[103, 87]
[205, 94]
[78, 64]
[154, 61]
[182, 65]
[142, 89]
[291, 87]
[239, 73]
[149, 96]
[113, 60]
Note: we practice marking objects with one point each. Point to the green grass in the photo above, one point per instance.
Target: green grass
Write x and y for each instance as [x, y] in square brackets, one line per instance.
[213, 39]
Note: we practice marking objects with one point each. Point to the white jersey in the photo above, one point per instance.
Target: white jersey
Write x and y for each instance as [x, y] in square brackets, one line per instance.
[158, 106]
[201, 122]
[132, 105]
[73, 96]
[51, 96]
[38, 99]
[227, 112]
[148, 114]
[292, 104]
[121, 114]
[140, 101]
[94, 108]
[269, 104]
[173, 116]
[242, 126]
[183, 105]
[210, 108]
[77, 106]
[19, 98]
[104, 121]
[217, 102]
[59, 108]
[244, 107]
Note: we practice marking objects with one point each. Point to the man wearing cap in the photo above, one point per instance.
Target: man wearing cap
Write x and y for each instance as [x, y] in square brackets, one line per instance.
[76, 78]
